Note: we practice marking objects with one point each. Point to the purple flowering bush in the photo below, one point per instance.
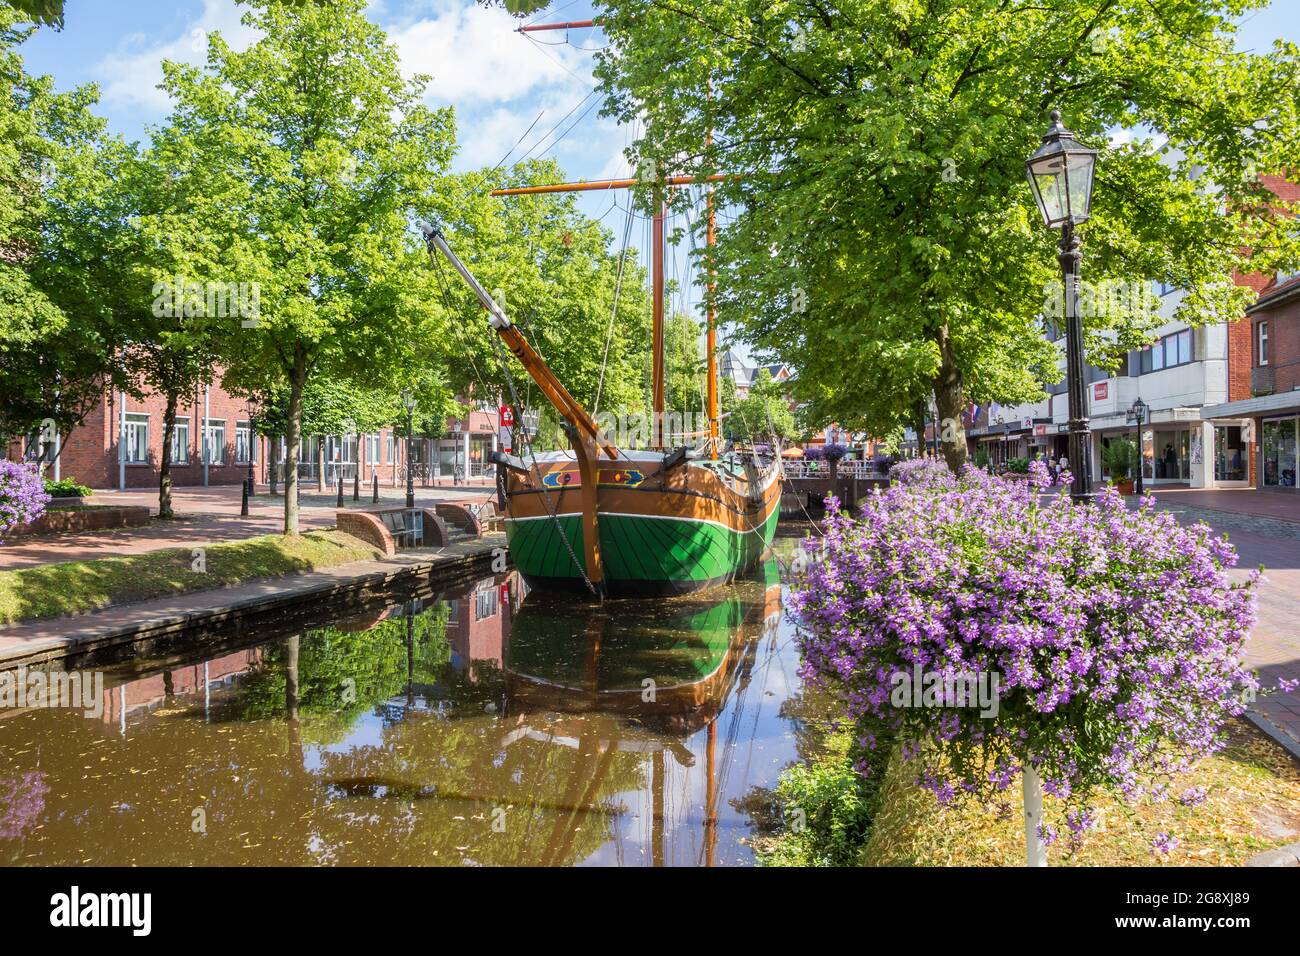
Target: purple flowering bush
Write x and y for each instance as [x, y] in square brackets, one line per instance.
[22, 495]
[921, 473]
[1115, 635]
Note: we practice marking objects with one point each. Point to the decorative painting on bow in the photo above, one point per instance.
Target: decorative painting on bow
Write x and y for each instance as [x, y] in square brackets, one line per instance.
[618, 477]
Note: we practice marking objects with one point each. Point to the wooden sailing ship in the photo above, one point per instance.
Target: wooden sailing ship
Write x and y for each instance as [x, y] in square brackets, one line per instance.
[629, 522]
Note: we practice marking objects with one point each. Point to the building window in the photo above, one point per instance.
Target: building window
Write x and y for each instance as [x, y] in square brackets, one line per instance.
[1279, 453]
[486, 603]
[372, 449]
[181, 443]
[392, 448]
[1261, 336]
[1167, 352]
[243, 434]
[215, 439]
[135, 438]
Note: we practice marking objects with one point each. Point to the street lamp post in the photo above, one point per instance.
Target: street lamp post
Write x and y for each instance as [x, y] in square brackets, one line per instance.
[408, 402]
[1060, 175]
[251, 480]
[1139, 414]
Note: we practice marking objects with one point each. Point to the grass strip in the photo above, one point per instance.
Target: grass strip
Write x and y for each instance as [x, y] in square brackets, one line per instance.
[81, 587]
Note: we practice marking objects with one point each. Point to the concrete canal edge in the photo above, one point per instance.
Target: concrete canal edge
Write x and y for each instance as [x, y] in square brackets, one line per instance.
[117, 633]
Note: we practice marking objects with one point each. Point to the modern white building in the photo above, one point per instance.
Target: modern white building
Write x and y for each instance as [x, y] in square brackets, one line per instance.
[1177, 377]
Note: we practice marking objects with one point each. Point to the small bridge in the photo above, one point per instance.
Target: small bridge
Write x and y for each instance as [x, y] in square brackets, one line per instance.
[807, 483]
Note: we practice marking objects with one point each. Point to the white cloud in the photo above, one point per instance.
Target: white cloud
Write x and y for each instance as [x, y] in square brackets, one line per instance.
[474, 55]
[131, 73]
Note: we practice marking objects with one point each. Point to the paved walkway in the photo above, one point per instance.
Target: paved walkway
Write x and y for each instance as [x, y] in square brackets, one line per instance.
[1277, 505]
[205, 516]
[1274, 542]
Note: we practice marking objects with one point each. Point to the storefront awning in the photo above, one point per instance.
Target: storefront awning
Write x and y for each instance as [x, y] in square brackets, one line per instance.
[1279, 402]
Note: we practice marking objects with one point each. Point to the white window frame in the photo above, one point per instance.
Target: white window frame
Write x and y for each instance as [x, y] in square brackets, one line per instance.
[1261, 342]
[135, 438]
[244, 437]
[214, 451]
[181, 449]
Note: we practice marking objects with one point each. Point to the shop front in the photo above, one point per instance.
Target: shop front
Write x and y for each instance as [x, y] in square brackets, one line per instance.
[1279, 440]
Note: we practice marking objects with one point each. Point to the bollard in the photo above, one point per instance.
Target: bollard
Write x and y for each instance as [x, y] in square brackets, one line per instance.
[356, 485]
[374, 491]
[340, 481]
[243, 504]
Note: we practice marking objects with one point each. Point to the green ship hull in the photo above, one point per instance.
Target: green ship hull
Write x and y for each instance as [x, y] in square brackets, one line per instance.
[642, 555]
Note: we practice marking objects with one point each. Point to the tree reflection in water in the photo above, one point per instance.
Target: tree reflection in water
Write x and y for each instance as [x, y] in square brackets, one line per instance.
[479, 728]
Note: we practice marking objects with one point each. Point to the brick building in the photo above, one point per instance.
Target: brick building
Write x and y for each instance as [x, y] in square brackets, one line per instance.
[119, 445]
[1270, 392]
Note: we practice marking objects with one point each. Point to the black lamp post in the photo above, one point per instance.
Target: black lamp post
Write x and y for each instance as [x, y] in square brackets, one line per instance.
[408, 402]
[252, 447]
[1060, 175]
[1139, 414]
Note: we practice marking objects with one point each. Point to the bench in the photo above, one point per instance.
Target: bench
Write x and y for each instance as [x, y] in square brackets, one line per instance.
[395, 522]
[389, 529]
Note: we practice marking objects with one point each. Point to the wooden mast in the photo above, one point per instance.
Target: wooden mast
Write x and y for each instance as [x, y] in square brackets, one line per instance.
[657, 330]
[711, 334]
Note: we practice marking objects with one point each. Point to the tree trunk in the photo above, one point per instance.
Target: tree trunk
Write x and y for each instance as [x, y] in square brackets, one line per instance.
[918, 424]
[165, 468]
[293, 443]
[948, 402]
[320, 463]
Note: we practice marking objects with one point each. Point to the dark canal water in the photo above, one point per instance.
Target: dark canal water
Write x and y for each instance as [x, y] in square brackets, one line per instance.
[481, 726]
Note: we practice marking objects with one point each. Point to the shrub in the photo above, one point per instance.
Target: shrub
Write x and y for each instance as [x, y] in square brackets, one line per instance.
[923, 472]
[1115, 635]
[1120, 458]
[834, 452]
[1017, 466]
[22, 495]
[828, 806]
[66, 488]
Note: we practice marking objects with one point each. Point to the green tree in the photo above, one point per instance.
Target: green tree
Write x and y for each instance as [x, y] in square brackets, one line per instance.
[58, 343]
[45, 12]
[885, 241]
[314, 150]
[684, 365]
[762, 414]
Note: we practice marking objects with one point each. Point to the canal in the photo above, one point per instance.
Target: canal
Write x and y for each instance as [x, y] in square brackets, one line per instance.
[479, 726]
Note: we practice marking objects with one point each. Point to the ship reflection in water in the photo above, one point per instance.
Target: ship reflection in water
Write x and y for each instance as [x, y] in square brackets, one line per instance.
[477, 727]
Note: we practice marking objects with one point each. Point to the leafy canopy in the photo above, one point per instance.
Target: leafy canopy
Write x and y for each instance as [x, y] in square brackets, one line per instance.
[884, 237]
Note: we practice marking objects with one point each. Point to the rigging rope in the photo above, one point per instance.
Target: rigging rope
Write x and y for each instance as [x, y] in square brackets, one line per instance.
[609, 333]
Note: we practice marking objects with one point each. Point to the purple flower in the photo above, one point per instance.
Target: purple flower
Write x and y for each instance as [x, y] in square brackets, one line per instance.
[1163, 843]
[1193, 796]
[1116, 634]
[22, 495]
[22, 801]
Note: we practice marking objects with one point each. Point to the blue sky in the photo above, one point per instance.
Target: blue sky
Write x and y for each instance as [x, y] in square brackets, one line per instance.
[499, 80]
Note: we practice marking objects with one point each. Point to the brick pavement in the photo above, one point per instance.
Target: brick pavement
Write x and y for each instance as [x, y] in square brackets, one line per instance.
[1274, 645]
[206, 516]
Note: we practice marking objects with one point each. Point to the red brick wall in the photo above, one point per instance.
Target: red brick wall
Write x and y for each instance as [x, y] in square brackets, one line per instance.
[91, 452]
[1283, 342]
